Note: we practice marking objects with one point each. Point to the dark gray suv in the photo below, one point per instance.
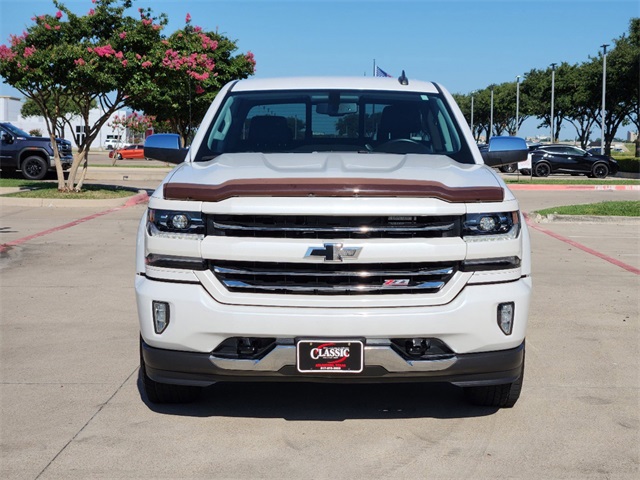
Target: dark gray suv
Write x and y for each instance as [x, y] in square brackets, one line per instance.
[33, 156]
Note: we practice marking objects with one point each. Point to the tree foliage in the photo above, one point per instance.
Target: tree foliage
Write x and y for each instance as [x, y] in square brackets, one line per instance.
[577, 95]
[197, 64]
[69, 63]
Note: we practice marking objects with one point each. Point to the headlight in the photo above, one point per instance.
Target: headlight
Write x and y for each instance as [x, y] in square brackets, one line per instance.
[175, 224]
[479, 227]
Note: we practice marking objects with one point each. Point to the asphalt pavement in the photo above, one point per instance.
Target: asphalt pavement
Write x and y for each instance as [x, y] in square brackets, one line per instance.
[71, 405]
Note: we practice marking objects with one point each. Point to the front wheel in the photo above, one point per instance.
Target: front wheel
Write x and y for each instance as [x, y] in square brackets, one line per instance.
[600, 170]
[501, 396]
[34, 168]
[164, 392]
[542, 169]
[118, 156]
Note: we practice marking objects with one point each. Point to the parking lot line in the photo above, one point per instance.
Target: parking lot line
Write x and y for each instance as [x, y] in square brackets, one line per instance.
[141, 198]
[584, 248]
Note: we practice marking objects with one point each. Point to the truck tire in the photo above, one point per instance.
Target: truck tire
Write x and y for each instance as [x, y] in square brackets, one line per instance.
[510, 168]
[166, 393]
[501, 396]
[34, 168]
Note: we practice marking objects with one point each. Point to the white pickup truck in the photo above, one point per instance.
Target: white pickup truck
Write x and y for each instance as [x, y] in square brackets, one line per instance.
[332, 230]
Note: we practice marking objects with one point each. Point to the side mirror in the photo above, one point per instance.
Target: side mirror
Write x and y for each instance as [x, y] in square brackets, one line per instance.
[504, 151]
[165, 147]
[6, 138]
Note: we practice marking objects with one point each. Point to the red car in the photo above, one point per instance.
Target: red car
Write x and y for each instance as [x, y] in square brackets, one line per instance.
[131, 151]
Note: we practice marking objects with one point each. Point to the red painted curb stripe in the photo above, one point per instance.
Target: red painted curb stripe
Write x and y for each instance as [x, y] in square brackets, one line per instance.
[584, 248]
[135, 200]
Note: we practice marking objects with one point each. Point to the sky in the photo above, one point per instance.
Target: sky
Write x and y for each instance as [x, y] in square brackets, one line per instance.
[463, 44]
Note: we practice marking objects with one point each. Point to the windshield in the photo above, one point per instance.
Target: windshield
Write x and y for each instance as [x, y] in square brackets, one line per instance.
[306, 121]
[15, 130]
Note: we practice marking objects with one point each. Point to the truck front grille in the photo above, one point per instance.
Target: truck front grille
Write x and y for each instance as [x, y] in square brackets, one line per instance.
[327, 227]
[331, 279]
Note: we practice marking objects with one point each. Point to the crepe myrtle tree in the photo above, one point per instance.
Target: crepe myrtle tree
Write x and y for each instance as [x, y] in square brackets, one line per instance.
[197, 64]
[103, 57]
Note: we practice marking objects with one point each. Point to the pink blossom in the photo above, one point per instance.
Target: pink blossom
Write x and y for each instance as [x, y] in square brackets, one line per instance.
[199, 89]
[91, 12]
[94, 1]
[250, 58]
[146, 64]
[57, 27]
[164, 42]
[58, 14]
[156, 26]
[6, 53]
[47, 26]
[119, 55]
[123, 35]
[124, 63]
[79, 61]
[197, 29]
[188, 18]
[147, 21]
[105, 51]
[28, 51]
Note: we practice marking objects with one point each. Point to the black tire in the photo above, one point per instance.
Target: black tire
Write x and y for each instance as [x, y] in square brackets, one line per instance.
[511, 168]
[600, 170]
[164, 392]
[34, 168]
[118, 156]
[501, 396]
[525, 171]
[542, 169]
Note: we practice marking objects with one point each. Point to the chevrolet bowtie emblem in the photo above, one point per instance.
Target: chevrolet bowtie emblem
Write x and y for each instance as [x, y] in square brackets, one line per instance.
[334, 252]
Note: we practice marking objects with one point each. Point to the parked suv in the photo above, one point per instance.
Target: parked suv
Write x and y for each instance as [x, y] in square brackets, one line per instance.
[332, 230]
[32, 156]
[548, 159]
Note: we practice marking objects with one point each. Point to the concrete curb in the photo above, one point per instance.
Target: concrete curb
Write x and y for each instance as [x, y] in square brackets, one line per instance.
[140, 197]
[555, 218]
[550, 187]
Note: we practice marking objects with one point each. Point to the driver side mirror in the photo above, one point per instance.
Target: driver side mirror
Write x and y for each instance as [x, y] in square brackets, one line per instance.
[504, 151]
[165, 147]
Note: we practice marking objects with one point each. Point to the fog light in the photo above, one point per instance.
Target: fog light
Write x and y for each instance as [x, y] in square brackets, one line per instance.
[487, 224]
[506, 313]
[160, 316]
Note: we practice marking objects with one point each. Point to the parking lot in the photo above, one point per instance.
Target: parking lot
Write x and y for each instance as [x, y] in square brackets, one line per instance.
[71, 405]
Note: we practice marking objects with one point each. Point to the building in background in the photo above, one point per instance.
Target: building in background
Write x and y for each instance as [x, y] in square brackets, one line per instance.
[10, 112]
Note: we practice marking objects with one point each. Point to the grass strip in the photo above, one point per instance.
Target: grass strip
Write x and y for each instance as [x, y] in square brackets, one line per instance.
[605, 209]
[50, 190]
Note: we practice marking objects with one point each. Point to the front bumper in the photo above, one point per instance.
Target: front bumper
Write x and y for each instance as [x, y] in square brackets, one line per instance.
[66, 161]
[382, 364]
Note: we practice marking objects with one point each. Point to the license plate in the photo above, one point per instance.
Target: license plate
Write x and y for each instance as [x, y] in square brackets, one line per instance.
[330, 356]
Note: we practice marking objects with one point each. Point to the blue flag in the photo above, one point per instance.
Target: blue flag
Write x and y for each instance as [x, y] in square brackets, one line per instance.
[381, 73]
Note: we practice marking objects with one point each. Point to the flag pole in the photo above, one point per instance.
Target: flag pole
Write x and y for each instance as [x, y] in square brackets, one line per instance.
[374, 68]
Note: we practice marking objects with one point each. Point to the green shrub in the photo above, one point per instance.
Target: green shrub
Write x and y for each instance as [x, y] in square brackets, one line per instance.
[35, 132]
[629, 164]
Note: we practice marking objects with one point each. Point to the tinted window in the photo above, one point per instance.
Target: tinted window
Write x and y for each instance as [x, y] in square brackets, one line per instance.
[309, 121]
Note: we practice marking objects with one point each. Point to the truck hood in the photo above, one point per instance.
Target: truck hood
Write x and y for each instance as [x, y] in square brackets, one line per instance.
[343, 166]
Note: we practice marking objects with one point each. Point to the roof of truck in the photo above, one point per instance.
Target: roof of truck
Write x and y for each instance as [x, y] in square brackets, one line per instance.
[341, 83]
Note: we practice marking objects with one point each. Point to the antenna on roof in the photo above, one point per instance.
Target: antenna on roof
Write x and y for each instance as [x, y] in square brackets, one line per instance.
[403, 79]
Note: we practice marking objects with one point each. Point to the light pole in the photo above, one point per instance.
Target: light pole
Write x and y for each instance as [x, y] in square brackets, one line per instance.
[604, 91]
[517, 101]
[553, 88]
[472, 94]
[491, 117]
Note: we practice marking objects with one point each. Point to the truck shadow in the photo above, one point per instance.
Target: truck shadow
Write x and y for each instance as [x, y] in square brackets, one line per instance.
[326, 402]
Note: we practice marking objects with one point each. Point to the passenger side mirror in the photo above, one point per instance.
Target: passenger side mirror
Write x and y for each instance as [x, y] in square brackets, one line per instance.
[165, 147]
[6, 138]
[504, 151]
